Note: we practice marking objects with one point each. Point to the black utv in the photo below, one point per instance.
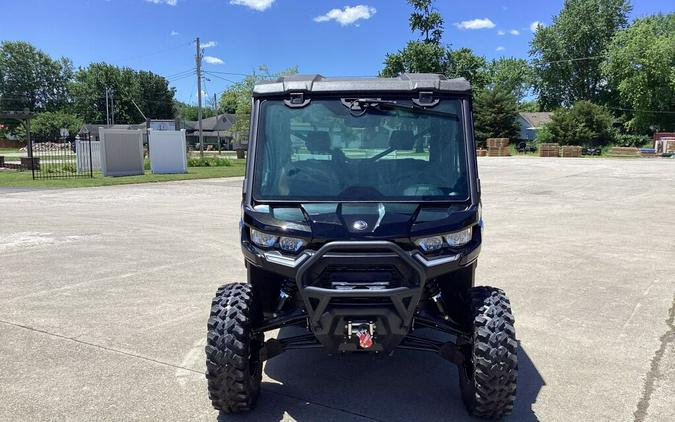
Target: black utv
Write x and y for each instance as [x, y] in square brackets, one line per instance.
[361, 224]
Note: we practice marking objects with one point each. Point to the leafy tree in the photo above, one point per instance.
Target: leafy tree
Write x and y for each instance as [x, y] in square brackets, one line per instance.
[416, 57]
[544, 135]
[29, 78]
[566, 56]
[510, 74]
[238, 98]
[427, 20]
[151, 93]
[531, 106]
[426, 56]
[641, 63]
[191, 112]
[48, 125]
[495, 112]
[584, 124]
[464, 63]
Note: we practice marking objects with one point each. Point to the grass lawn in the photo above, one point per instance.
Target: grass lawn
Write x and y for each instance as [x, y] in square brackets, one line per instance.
[25, 178]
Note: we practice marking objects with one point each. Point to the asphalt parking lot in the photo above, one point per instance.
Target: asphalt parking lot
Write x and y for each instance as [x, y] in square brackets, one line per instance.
[105, 293]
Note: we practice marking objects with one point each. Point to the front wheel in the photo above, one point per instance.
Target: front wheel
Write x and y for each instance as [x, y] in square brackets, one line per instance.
[233, 364]
[490, 369]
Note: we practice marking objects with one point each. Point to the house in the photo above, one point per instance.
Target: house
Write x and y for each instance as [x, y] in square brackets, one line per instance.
[217, 130]
[530, 122]
[91, 130]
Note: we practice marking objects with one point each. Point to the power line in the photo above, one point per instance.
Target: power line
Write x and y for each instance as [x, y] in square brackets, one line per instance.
[229, 73]
[220, 77]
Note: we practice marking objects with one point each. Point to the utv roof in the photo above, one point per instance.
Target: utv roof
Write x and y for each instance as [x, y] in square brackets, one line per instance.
[317, 84]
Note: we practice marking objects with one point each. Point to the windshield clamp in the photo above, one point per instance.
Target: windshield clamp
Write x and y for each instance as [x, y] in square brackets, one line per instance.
[425, 99]
[297, 100]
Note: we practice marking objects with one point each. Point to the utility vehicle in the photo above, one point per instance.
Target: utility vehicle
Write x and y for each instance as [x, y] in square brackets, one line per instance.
[361, 224]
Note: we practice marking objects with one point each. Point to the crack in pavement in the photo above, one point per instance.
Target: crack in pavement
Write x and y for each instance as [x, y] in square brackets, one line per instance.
[653, 374]
[172, 365]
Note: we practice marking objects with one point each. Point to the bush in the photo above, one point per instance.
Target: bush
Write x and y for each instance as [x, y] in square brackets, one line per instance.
[48, 125]
[544, 136]
[585, 124]
[637, 141]
[209, 162]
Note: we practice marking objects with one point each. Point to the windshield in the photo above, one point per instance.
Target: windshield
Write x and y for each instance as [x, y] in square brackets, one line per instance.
[331, 151]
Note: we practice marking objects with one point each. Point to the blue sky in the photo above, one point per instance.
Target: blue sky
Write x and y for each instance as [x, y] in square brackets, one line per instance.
[331, 37]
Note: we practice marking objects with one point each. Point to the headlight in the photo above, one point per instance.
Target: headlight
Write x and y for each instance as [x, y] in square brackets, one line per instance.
[430, 244]
[455, 239]
[459, 238]
[263, 239]
[291, 244]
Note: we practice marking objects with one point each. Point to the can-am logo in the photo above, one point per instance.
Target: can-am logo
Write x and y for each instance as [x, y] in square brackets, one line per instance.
[360, 225]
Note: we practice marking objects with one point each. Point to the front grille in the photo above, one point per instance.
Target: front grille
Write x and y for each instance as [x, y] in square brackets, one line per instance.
[373, 271]
[342, 277]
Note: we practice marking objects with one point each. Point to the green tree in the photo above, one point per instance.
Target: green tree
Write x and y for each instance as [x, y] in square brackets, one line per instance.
[510, 74]
[495, 113]
[426, 20]
[190, 112]
[30, 78]
[238, 98]
[584, 124]
[566, 56]
[416, 57]
[48, 125]
[531, 106]
[425, 56]
[149, 91]
[641, 64]
[465, 64]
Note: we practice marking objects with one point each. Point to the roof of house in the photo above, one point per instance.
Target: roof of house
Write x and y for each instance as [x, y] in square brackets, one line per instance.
[407, 82]
[93, 128]
[221, 122]
[536, 119]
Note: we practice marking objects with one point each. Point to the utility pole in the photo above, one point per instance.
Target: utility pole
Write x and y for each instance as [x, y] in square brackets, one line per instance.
[198, 58]
[112, 107]
[215, 111]
[107, 110]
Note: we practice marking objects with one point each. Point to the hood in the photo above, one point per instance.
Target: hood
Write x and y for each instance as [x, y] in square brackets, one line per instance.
[354, 221]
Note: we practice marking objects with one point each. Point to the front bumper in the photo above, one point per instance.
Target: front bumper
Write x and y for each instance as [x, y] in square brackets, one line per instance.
[330, 310]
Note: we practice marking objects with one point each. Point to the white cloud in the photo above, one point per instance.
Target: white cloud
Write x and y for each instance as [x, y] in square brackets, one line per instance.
[514, 32]
[484, 23]
[209, 44]
[169, 2]
[174, 33]
[534, 25]
[348, 15]
[500, 48]
[500, 32]
[213, 60]
[258, 5]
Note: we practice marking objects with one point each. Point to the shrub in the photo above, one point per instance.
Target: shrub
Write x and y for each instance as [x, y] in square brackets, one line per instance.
[544, 135]
[626, 140]
[209, 162]
[584, 124]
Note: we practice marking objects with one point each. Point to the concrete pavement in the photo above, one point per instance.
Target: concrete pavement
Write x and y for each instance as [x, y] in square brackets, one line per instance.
[105, 293]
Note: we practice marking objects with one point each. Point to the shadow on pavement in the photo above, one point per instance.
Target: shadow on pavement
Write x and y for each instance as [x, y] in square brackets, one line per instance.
[312, 386]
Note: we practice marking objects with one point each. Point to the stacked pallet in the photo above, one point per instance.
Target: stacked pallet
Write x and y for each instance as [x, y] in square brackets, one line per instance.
[624, 152]
[481, 152]
[549, 150]
[571, 151]
[647, 152]
[498, 147]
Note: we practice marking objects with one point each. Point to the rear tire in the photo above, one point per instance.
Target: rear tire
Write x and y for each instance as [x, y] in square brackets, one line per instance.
[233, 365]
[489, 373]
